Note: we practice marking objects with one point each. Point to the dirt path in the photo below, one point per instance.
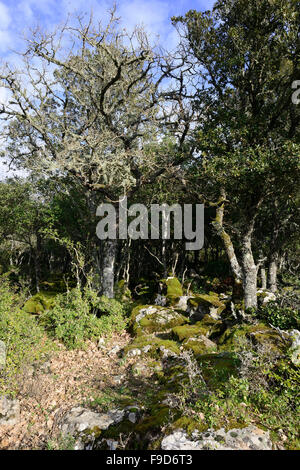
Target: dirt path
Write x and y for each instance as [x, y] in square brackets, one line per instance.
[67, 379]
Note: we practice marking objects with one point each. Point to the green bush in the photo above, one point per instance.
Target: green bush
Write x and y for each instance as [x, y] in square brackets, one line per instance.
[74, 317]
[284, 318]
[25, 339]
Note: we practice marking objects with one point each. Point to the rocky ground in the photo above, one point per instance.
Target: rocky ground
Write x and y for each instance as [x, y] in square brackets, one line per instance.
[147, 389]
[48, 390]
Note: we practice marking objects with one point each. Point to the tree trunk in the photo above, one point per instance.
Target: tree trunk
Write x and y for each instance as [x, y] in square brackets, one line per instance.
[108, 267]
[37, 261]
[263, 277]
[272, 278]
[225, 237]
[249, 274]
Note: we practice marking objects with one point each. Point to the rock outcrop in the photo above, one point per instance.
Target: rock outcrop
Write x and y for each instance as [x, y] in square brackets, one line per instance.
[9, 411]
[248, 438]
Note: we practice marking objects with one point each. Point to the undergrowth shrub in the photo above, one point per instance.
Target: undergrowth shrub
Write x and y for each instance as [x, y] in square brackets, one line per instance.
[283, 317]
[24, 338]
[77, 316]
[265, 392]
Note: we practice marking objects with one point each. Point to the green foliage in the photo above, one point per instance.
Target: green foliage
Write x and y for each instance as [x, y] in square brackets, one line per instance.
[284, 318]
[265, 392]
[73, 318]
[25, 339]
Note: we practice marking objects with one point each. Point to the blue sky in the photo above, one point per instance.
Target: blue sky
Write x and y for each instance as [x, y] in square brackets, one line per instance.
[17, 16]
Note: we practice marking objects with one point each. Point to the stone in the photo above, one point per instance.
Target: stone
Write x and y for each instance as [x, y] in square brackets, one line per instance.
[132, 417]
[9, 411]
[265, 296]
[80, 419]
[118, 379]
[2, 355]
[153, 346]
[248, 438]
[114, 350]
[294, 349]
[160, 300]
[101, 343]
[171, 289]
[182, 303]
[134, 352]
[202, 304]
[154, 319]
[184, 332]
[199, 345]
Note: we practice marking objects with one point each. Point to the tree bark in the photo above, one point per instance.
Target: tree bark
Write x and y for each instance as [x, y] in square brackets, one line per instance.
[249, 278]
[247, 270]
[37, 261]
[272, 278]
[263, 277]
[108, 267]
[225, 237]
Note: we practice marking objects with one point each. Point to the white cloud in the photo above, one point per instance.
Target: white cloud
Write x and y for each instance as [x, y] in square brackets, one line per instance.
[5, 18]
[6, 40]
[151, 14]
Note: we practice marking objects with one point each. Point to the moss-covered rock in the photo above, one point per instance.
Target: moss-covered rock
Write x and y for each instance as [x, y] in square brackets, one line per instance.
[40, 302]
[152, 346]
[264, 297]
[237, 337]
[269, 339]
[202, 304]
[208, 327]
[183, 332]
[171, 289]
[154, 319]
[199, 345]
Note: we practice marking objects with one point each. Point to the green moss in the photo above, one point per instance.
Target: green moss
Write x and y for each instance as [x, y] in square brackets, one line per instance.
[188, 424]
[172, 289]
[181, 333]
[237, 337]
[135, 311]
[40, 302]
[125, 427]
[156, 319]
[217, 330]
[198, 346]
[208, 322]
[204, 302]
